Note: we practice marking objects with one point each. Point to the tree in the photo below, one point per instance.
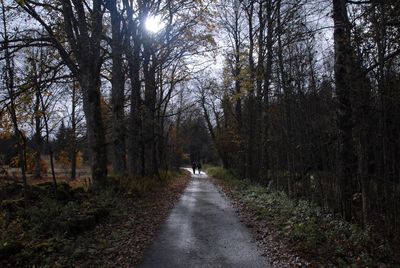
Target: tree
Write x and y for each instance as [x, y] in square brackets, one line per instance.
[11, 106]
[82, 28]
[118, 87]
[37, 82]
[232, 22]
[344, 68]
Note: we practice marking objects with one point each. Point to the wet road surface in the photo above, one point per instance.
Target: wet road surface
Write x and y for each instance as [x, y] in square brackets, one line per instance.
[203, 231]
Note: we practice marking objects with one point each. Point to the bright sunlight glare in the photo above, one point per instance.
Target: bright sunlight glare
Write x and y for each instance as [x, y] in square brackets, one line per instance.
[154, 24]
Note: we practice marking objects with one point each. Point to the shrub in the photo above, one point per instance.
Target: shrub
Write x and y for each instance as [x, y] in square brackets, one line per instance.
[305, 226]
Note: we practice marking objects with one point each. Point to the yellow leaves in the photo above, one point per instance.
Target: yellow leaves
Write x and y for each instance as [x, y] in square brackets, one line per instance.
[63, 159]
[79, 159]
[6, 127]
[30, 163]
[247, 84]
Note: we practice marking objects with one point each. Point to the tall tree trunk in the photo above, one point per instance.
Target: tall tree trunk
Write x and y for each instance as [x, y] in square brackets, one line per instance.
[267, 82]
[89, 78]
[85, 42]
[9, 81]
[49, 147]
[149, 120]
[250, 157]
[381, 45]
[37, 137]
[73, 149]
[160, 127]
[83, 29]
[135, 153]
[364, 176]
[238, 92]
[132, 48]
[343, 70]
[117, 92]
[178, 157]
[259, 170]
[90, 85]
[287, 104]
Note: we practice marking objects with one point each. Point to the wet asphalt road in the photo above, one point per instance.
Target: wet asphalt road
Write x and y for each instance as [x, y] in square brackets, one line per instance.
[203, 231]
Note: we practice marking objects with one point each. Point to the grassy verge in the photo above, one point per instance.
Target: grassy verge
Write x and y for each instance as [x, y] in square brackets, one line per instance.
[317, 236]
[80, 228]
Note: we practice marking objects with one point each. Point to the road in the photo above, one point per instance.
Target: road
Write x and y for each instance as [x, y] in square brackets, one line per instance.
[203, 231]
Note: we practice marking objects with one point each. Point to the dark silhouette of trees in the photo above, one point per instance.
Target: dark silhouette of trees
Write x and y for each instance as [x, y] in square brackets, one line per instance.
[117, 90]
[104, 46]
[82, 28]
[314, 117]
[306, 99]
[9, 81]
[344, 68]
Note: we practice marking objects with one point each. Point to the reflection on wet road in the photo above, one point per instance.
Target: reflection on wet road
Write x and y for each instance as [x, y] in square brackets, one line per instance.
[203, 231]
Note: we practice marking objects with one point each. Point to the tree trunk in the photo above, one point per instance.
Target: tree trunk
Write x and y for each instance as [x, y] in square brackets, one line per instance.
[90, 85]
[287, 105]
[117, 91]
[85, 42]
[135, 126]
[251, 127]
[259, 79]
[267, 82]
[73, 149]
[343, 71]
[37, 138]
[364, 176]
[46, 124]
[9, 83]
[238, 91]
[132, 52]
[149, 139]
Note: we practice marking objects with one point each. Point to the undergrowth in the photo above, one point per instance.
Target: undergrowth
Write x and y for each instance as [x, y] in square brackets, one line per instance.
[318, 235]
[34, 235]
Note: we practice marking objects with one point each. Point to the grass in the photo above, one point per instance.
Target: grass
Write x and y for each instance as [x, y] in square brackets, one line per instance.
[315, 234]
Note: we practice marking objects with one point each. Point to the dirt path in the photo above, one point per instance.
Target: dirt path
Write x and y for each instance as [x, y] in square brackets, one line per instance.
[203, 231]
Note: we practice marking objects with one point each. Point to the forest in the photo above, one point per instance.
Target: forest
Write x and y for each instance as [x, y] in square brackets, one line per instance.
[106, 100]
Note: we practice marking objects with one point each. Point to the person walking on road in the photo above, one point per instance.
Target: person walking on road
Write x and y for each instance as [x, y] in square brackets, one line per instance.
[199, 167]
[194, 167]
